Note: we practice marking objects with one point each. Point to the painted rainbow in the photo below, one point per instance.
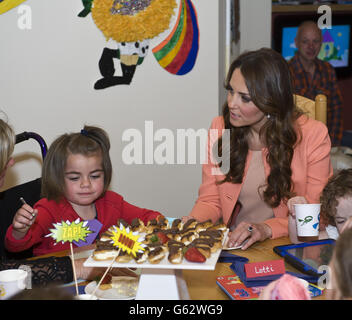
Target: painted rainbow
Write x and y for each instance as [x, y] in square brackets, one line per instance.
[178, 52]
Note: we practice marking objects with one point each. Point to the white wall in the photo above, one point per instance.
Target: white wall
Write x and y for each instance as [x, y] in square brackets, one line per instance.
[46, 82]
[255, 24]
[254, 29]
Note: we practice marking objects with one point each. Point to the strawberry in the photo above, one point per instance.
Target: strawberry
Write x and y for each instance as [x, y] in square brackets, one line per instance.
[160, 237]
[163, 237]
[194, 255]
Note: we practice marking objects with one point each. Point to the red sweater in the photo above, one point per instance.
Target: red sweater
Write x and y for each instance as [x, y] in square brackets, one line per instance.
[109, 208]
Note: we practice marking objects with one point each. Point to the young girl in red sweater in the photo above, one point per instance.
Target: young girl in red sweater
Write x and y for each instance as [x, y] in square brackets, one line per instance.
[76, 174]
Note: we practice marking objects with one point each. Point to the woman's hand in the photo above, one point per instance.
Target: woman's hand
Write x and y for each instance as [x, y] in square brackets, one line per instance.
[23, 220]
[252, 231]
[295, 200]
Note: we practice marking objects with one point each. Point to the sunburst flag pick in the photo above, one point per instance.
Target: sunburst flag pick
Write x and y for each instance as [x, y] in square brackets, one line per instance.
[128, 241]
[69, 231]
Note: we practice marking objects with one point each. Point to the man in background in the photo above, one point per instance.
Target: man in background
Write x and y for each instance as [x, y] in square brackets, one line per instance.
[313, 76]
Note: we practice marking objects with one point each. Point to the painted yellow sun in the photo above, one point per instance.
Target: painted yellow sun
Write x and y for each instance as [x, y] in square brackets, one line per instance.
[145, 24]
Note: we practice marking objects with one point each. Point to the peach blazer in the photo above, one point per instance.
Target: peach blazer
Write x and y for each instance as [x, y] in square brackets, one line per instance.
[311, 169]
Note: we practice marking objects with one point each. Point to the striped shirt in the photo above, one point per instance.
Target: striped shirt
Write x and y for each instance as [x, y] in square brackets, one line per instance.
[324, 82]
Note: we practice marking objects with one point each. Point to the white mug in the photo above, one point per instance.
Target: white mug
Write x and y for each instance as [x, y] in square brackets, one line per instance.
[307, 219]
[12, 281]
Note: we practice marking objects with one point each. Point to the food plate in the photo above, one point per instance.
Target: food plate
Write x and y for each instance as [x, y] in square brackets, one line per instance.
[125, 289]
[209, 264]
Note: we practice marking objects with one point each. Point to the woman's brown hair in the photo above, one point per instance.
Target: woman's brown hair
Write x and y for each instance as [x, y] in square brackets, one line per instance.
[90, 141]
[269, 84]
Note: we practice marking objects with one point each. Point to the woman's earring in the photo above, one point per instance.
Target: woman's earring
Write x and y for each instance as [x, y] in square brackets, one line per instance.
[268, 116]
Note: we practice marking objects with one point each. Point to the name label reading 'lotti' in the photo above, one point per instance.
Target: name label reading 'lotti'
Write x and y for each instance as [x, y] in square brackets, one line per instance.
[265, 268]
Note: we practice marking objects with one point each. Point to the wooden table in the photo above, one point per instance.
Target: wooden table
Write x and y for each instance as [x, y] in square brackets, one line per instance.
[202, 284]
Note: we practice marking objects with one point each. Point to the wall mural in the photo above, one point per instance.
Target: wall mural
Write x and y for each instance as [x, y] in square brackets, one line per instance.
[132, 24]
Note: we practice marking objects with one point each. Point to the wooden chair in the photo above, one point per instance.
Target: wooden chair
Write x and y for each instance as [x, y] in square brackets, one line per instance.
[315, 109]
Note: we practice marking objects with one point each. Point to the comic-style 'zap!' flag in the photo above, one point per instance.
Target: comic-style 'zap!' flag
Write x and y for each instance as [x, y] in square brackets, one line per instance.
[70, 231]
[178, 52]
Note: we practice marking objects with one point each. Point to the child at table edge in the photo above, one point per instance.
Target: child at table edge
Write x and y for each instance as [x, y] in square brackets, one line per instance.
[336, 207]
[76, 162]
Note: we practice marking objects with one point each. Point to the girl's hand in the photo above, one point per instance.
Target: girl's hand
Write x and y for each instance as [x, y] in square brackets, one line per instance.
[295, 200]
[23, 220]
[252, 231]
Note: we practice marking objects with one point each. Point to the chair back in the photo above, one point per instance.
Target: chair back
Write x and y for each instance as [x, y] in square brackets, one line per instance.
[314, 109]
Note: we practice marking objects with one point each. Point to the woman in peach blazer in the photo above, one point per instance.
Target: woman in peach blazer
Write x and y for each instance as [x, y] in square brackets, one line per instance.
[294, 151]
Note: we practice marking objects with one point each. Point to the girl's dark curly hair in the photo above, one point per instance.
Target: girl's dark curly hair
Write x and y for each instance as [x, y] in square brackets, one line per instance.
[269, 84]
[339, 186]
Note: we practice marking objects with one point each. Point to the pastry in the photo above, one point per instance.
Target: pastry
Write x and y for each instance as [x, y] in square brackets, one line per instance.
[218, 226]
[205, 236]
[123, 222]
[142, 257]
[101, 255]
[177, 224]
[105, 249]
[191, 223]
[163, 223]
[153, 246]
[212, 244]
[123, 257]
[188, 230]
[151, 225]
[212, 234]
[188, 238]
[137, 225]
[175, 243]
[175, 255]
[156, 255]
[173, 234]
[202, 226]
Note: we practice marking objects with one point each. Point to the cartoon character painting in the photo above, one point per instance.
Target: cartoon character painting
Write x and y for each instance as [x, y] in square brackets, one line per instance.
[132, 24]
